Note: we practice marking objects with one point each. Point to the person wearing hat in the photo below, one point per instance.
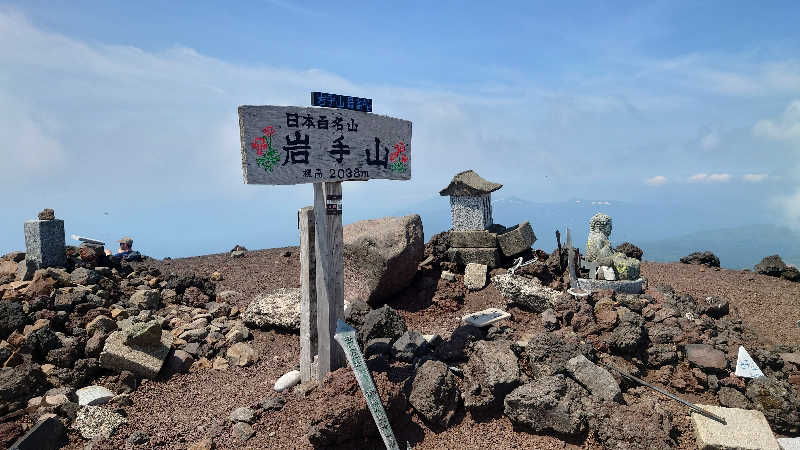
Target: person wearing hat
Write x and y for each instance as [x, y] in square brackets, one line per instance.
[125, 247]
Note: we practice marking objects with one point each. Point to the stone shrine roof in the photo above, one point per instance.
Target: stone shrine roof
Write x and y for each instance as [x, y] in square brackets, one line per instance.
[469, 183]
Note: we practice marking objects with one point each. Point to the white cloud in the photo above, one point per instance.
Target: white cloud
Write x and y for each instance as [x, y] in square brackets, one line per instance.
[712, 178]
[657, 180]
[787, 127]
[790, 207]
[754, 177]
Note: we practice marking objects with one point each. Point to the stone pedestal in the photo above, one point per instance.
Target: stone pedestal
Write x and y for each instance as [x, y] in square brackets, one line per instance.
[45, 243]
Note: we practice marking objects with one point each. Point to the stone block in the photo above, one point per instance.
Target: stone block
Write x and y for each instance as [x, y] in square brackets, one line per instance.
[516, 239]
[622, 286]
[145, 360]
[47, 434]
[473, 239]
[463, 256]
[789, 443]
[745, 429]
[471, 212]
[475, 276]
[45, 243]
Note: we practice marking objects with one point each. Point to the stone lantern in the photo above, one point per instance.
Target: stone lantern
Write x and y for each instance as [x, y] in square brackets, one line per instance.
[470, 201]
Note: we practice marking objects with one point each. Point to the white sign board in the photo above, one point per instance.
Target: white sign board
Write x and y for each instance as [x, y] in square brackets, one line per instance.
[295, 145]
[745, 366]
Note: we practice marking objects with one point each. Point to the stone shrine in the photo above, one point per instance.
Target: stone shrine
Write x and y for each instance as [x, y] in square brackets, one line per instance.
[470, 201]
[608, 269]
[44, 241]
[474, 237]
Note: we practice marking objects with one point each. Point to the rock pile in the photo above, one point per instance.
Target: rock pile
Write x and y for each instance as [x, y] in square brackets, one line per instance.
[63, 328]
[775, 267]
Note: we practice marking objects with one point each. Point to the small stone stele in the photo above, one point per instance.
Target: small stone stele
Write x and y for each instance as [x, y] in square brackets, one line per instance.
[47, 214]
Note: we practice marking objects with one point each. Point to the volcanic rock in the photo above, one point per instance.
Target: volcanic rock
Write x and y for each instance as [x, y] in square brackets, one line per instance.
[381, 257]
[705, 258]
[280, 309]
[492, 372]
[434, 393]
[527, 293]
[551, 403]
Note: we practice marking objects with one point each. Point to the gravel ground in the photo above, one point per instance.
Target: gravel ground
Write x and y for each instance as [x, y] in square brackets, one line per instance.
[186, 408]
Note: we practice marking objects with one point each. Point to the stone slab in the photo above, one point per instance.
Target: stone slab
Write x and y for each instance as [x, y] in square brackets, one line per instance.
[143, 360]
[45, 243]
[473, 239]
[463, 256]
[517, 239]
[475, 276]
[745, 430]
[93, 395]
[622, 286]
[789, 443]
[486, 317]
[313, 144]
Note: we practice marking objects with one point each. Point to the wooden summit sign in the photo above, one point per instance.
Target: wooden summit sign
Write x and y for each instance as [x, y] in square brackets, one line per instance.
[324, 146]
[294, 145]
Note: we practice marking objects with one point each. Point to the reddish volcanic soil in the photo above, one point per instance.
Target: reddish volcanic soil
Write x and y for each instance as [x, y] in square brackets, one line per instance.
[186, 408]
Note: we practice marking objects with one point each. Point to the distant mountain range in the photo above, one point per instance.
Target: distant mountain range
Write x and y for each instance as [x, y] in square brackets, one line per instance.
[665, 232]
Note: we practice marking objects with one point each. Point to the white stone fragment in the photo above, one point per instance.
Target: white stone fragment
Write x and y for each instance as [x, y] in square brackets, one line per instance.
[288, 380]
[93, 395]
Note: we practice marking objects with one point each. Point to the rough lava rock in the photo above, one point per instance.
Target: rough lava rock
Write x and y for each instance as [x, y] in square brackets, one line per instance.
[548, 403]
[705, 258]
[381, 257]
[492, 372]
[383, 322]
[771, 265]
[528, 293]
[434, 393]
[594, 378]
[630, 250]
[280, 309]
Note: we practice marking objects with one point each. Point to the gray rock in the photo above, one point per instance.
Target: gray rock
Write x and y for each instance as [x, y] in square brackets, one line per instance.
[103, 324]
[143, 333]
[237, 254]
[378, 346]
[355, 312]
[409, 346]
[146, 299]
[715, 307]
[446, 275]
[25, 270]
[383, 322]
[217, 309]
[273, 403]
[771, 265]
[626, 268]
[145, 360]
[456, 346]
[706, 357]
[623, 286]
[548, 353]
[84, 276]
[12, 317]
[547, 403]
[643, 424]
[732, 398]
[241, 354]
[492, 372]
[705, 258]
[434, 393]
[243, 431]
[779, 402]
[46, 434]
[381, 257]
[525, 292]
[661, 354]
[628, 336]
[473, 239]
[475, 276]
[489, 256]
[24, 380]
[96, 422]
[179, 362]
[243, 414]
[194, 335]
[280, 309]
[516, 240]
[93, 395]
[594, 378]
[138, 438]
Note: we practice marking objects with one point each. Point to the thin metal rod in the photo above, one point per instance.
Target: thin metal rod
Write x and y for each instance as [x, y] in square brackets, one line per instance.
[672, 396]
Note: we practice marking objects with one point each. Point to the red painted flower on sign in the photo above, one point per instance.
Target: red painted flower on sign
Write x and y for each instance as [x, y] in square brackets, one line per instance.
[260, 144]
[269, 131]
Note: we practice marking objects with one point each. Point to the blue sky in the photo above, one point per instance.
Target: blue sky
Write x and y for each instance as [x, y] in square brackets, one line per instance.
[122, 115]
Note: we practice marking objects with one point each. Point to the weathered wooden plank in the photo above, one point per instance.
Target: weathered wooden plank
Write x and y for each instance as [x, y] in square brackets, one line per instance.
[294, 145]
[308, 290]
[330, 276]
[573, 276]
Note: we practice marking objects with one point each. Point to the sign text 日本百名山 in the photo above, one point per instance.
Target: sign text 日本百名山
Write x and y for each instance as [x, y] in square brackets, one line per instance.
[295, 145]
[341, 101]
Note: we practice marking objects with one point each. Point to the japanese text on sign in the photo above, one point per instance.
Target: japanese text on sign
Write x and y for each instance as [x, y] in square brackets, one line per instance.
[341, 101]
[293, 145]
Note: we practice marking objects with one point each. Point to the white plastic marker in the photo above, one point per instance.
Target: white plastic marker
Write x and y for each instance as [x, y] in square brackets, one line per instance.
[745, 366]
[346, 337]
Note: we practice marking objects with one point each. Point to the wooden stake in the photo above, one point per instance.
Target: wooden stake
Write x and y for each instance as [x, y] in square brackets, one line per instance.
[558, 241]
[573, 277]
[308, 298]
[330, 274]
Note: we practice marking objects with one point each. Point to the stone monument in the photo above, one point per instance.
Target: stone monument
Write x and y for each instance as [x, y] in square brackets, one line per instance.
[45, 241]
[615, 270]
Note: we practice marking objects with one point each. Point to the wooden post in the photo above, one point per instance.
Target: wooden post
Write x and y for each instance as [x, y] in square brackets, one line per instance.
[558, 241]
[330, 273]
[573, 277]
[308, 298]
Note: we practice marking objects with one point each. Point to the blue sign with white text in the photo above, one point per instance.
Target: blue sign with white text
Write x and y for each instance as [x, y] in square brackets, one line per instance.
[341, 101]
